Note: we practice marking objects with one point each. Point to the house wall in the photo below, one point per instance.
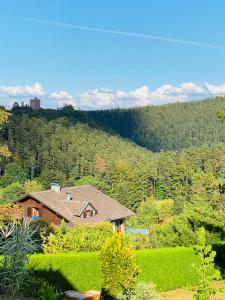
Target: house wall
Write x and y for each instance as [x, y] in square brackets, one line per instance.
[45, 213]
[118, 225]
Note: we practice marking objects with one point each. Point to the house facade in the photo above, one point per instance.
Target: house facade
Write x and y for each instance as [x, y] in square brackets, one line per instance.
[75, 205]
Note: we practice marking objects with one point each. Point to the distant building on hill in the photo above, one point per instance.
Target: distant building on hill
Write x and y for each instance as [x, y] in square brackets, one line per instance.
[35, 103]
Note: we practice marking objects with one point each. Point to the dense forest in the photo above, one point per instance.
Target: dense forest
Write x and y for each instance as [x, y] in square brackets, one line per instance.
[169, 127]
[75, 147]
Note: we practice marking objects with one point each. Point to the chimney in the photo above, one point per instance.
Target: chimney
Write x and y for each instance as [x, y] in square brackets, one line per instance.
[55, 186]
[69, 196]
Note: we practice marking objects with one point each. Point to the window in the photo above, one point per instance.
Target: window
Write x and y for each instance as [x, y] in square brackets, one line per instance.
[88, 213]
[33, 212]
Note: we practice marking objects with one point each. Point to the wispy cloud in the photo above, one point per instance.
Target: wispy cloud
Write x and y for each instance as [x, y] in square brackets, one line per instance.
[123, 33]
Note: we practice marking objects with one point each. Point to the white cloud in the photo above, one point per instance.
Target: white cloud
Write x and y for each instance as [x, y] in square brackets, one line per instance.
[215, 90]
[62, 98]
[107, 98]
[142, 96]
[192, 88]
[61, 95]
[22, 91]
[35, 90]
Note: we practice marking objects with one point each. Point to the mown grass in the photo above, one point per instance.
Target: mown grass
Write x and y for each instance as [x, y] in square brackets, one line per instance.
[73, 270]
[167, 268]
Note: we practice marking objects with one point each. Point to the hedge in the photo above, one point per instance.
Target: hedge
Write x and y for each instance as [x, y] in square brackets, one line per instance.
[168, 268]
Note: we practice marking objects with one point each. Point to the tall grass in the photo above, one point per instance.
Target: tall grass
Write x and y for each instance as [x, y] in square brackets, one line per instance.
[167, 268]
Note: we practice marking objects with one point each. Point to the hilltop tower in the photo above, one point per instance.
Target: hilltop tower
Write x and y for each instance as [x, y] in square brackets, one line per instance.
[35, 103]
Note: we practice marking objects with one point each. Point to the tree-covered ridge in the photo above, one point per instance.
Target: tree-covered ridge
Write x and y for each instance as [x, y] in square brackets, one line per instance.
[168, 127]
[59, 150]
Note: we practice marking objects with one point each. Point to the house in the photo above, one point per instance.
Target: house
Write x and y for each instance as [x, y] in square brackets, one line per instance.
[75, 205]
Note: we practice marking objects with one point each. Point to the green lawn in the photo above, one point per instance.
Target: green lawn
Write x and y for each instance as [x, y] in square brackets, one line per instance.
[167, 268]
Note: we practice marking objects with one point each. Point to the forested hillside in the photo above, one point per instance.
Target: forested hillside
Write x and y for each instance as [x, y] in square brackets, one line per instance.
[168, 127]
[188, 184]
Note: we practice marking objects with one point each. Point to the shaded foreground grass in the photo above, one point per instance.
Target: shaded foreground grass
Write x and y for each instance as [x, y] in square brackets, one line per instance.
[167, 268]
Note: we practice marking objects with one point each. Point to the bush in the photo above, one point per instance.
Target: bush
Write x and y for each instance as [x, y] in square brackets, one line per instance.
[206, 270]
[118, 267]
[145, 291]
[82, 238]
[13, 173]
[31, 186]
[176, 233]
[47, 293]
[16, 243]
[168, 268]
[12, 192]
[10, 212]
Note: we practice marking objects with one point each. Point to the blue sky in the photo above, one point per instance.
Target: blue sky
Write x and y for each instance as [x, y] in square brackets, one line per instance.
[123, 63]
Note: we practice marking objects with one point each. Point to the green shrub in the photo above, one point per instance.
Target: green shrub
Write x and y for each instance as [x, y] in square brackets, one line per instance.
[145, 291]
[118, 266]
[82, 238]
[12, 192]
[47, 293]
[206, 270]
[168, 268]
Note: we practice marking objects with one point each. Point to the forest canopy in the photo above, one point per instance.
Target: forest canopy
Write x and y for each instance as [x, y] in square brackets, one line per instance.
[168, 127]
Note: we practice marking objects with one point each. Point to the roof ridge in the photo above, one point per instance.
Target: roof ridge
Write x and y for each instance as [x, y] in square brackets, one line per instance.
[41, 191]
[73, 201]
[77, 186]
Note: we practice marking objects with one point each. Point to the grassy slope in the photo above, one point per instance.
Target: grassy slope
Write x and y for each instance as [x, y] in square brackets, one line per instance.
[167, 268]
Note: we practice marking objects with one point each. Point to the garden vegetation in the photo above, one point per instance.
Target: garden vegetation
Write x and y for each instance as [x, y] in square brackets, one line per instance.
[82, 270]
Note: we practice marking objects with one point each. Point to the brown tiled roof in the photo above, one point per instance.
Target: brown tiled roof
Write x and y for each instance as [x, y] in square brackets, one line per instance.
[107, 208]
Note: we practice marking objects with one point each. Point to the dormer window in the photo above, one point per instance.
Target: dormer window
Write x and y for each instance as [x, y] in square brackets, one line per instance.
[88, 213]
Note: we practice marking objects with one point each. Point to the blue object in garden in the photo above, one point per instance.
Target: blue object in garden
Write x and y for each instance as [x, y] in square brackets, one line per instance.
[35, 217]
[136, 230]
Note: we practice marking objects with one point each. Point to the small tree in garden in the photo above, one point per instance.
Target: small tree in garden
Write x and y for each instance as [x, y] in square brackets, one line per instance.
[118, 267]
[16, 243]
[4, 116]
[206, 270]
